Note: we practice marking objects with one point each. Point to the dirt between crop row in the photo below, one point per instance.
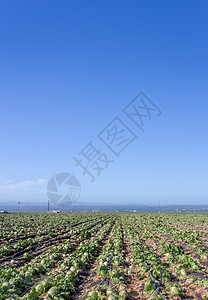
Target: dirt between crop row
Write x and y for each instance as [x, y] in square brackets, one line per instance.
[75, 246]
[88, 277]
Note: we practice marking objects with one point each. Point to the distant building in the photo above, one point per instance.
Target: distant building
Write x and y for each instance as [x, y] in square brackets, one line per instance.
[4, 212]
[54, 211]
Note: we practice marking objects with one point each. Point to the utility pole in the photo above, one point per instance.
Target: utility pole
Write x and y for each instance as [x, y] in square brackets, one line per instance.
[18, 205]
[159, 206]
[48, 205]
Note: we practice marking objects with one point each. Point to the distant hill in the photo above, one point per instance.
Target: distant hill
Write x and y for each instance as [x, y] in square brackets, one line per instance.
[12, 206]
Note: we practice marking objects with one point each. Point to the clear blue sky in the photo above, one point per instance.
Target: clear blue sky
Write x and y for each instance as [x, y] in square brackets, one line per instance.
[67, 68]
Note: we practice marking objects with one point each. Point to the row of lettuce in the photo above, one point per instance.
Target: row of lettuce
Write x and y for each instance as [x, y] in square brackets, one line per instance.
[176, 265]
[63, 230]
[59, 265]
[14, 226]
[161, 270]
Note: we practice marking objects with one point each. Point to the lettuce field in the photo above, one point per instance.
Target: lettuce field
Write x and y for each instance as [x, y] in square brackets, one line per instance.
[103, 256]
